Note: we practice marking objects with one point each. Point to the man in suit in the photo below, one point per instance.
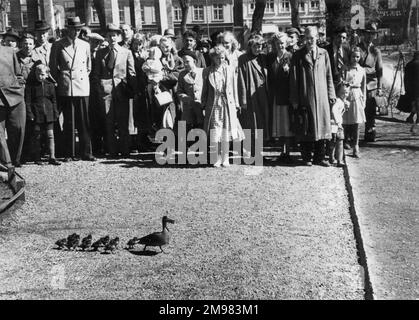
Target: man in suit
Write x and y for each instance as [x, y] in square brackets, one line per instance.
[114, 74]
[127, 35]
[372, 61]
[12, 108]
[339, 55]
[189, 44]
[70, 65]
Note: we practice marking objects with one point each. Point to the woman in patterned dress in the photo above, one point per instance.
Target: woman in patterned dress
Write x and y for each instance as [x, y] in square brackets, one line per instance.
[355, 115]
[219, 98]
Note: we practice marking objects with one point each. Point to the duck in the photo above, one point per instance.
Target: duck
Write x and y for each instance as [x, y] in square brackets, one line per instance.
[112, 245]
[157, 239]
[73, 241]
[61, 243]
[86, 242]
[131, 243]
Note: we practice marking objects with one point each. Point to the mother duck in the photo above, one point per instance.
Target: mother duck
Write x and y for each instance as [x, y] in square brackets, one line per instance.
[157, 239]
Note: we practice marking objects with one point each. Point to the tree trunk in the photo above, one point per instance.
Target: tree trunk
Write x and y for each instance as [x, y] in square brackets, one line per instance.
[257, 17]
[295, 13]
[407, 6]
[184, 6]
[100, 9]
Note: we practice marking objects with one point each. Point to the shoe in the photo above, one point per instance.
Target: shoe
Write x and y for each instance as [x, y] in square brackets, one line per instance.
[370, 136]
[322, 163]
[17, 164]
[217, 164]
[54, 162]
[226, 163]
[341, 164]
[89, 158]
[75, 159]
[285, 158]
[356, 152]
[307, 163]
[347, 146]
[39, 162]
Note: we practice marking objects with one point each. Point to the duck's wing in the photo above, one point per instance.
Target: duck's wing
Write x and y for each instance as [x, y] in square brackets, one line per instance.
[153, 239]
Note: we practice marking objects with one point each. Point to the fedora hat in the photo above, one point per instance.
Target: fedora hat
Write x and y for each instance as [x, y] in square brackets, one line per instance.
[371, 27]
[12, 33]
[95, 36]
[292, 31]
[41, 25]
[28, 35]
[74, 22]
[113, 28]
[169, 33]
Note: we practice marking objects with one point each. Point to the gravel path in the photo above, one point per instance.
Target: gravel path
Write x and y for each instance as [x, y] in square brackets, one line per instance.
[240, 233]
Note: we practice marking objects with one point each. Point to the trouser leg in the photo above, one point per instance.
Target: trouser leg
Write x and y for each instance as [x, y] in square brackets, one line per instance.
[15, 125]
[306, 148]
[319, 150]
[68, 127]
[36, 143]
[110, 139]
[4, 149]
[83, 125]
[339, 150]
[122, 119]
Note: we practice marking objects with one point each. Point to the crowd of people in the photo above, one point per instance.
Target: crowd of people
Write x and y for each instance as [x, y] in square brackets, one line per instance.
[296, 86]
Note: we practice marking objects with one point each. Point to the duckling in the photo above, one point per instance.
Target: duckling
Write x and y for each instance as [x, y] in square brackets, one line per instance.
[73, 241]
[86, 242]
[157, 239]
[132, 242]
[61, 243]
[112, 245]
[104, 240]
[96, 245]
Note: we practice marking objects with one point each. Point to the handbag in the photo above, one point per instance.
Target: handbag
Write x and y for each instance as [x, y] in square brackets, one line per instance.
[163, 98]
[381, 105]
[404, 103]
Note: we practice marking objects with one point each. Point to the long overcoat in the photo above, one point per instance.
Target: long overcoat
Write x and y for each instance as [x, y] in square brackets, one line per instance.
[70, 67]
[311, 87]
[208, 97]
[252, 86]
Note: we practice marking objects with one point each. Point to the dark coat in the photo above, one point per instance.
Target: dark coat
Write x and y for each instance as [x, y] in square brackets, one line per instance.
[41, 103]
[11, 91]
[142, 113]
[411, 78]
[311, 88]
[278, 78]
[253, 93]
[337, 77]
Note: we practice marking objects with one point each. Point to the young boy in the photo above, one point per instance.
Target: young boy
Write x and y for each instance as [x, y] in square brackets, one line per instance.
[41, 111]
[338, 109]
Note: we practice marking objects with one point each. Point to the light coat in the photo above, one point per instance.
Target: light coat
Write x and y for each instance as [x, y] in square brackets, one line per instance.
[10, 72]
[208, 98]
[311, 87]
[70, 67]
[42, 53]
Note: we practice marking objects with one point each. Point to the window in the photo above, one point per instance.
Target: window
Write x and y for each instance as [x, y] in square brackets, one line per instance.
[314, 4]
[285, 6]
[70, 8]
[142, 15]
[6, 16]
[121, 15]
[218, 12]
[94, 15]
[177, 13]
[252, 6]
[198, 13]
[269, 6]
[24, 13]
[301, 6]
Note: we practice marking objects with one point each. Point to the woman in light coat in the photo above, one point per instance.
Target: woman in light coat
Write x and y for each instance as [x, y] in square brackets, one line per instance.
[219, 98]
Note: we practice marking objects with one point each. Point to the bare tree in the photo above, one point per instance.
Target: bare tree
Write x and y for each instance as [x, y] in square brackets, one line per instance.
[184, 7]
[257, 17]
[406, 7]
[295, 13]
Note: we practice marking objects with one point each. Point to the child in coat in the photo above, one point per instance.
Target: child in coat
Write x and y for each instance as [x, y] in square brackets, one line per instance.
[338, 110]
[41, 111]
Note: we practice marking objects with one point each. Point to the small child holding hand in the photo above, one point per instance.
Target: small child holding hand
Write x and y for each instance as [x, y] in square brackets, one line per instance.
[338, 109]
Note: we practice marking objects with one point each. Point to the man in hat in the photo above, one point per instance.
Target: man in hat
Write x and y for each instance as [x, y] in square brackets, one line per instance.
[127, 34]
[339, 54]
[12, 108]
[294, 36]
[113, 75]
[70, 65]
[322, 42]
[11, 39]
[372, 61]
[42, 50]
[189, 44]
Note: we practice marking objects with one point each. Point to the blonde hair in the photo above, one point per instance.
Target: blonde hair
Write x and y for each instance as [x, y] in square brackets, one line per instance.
[42, 68]
[228, 35]
[217, 51]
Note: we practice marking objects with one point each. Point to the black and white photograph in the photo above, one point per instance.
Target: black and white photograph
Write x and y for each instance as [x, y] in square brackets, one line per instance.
[209, 154]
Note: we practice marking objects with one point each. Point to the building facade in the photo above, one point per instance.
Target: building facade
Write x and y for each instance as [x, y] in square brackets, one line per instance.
[277, 15]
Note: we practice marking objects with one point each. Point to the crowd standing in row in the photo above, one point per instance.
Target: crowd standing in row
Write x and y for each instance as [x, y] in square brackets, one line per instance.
[297, 87]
